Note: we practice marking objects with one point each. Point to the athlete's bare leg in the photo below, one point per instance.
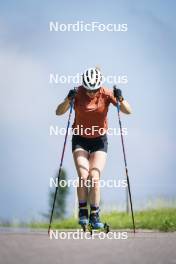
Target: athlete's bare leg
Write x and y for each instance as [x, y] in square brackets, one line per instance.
[97, 162]
[81, 159]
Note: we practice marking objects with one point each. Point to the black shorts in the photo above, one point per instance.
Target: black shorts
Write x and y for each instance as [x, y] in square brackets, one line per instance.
[90, 144]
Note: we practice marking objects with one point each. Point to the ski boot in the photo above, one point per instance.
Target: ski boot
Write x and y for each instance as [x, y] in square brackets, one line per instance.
[83, 218]
[96, 224]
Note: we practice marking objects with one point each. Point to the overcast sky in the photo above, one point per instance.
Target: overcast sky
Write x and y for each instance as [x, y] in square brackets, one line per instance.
[29, 52]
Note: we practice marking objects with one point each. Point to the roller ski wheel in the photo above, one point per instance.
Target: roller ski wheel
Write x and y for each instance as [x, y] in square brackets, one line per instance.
[90, 228]
[105, 228]
[84, 227]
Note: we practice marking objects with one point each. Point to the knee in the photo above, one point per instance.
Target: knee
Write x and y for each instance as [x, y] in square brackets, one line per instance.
[83, 173]
[83, 176]
[94, 176]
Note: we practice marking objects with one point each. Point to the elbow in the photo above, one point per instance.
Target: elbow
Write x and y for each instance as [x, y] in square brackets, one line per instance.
[128, 111]
[125, 108]
[58, 112]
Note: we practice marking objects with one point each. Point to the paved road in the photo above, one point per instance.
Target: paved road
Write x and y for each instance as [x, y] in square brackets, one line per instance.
[26, 247]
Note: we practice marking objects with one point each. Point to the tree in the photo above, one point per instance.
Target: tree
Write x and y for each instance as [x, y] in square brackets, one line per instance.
[60, 203]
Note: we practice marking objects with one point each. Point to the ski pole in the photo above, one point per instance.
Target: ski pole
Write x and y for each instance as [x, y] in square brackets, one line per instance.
[125, 162]
[60, 167]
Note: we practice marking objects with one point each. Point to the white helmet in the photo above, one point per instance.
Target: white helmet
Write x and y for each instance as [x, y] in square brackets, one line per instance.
[92, 79]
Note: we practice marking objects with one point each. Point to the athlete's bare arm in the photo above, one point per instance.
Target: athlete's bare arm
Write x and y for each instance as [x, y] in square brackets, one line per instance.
[63, 107]
[125, 107]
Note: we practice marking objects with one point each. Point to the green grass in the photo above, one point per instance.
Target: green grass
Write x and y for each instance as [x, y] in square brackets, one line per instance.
[163, 219]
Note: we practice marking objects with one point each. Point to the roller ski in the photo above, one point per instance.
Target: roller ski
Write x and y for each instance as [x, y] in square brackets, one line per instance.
[96, 224]
[83, 219]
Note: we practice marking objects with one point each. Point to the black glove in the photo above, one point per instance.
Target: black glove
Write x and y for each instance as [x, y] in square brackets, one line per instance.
[117, 93]
[71, 94]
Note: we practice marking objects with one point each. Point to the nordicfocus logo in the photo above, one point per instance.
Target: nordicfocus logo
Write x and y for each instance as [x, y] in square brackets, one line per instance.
[81, 26]
[80, 130]
[110, 183]
[56, 78]
[78, 234]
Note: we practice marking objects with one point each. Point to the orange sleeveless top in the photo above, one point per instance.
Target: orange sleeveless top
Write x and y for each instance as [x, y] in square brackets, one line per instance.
[91, 113]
